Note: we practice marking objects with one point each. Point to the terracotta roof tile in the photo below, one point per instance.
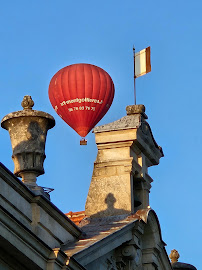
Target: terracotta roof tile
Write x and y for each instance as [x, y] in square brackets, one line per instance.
[76, 217]
[96, 229]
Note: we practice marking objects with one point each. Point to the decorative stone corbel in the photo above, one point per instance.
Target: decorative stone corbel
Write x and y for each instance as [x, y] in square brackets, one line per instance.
[132, 256]
[129, 252]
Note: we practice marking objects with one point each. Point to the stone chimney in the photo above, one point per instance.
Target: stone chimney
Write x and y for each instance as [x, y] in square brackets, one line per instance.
[28, 129]
[126, 148]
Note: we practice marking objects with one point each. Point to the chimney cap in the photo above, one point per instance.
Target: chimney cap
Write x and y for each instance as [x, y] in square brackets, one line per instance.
[136, 109]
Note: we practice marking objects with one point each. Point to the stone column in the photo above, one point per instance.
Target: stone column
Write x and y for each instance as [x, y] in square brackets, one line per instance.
[28, 129]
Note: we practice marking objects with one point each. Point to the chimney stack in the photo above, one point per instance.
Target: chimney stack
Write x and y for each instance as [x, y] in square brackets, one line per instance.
[28, 129]
[126, 148]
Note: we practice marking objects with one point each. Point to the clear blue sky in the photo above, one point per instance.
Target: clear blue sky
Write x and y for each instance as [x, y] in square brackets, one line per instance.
[40, 37]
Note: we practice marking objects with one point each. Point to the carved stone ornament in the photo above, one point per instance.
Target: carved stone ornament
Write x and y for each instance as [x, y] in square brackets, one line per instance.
[132, 257]
[111, 263]
[28, 130]
[129, 251]
[148, 137]
[174, 256]
[120, 263]
[27, 103]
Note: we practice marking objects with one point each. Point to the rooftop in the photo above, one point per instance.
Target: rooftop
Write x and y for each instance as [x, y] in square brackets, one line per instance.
[97, 229]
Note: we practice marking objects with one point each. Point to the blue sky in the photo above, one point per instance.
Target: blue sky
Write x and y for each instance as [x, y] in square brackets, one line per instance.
[40, 37]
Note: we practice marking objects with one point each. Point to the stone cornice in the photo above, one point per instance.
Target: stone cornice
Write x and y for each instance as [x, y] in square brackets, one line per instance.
[41, 201]
[126, 122]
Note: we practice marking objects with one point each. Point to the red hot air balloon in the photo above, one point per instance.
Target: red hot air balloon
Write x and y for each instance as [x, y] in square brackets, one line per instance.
[81, 94]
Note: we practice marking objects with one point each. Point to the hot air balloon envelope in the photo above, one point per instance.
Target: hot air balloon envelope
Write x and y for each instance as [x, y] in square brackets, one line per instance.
[81, 94]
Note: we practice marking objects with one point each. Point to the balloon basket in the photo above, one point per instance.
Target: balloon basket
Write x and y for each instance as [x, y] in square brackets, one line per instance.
[83, 142]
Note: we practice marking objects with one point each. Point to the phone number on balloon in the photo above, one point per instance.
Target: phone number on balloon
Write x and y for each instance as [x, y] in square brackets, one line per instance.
[81, 108]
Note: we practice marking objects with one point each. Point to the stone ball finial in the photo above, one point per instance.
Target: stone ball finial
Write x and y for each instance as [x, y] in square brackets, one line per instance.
[27, 103]
[174, 256]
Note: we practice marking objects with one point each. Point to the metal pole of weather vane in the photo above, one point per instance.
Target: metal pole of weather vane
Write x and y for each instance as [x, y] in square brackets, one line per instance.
[134, 72]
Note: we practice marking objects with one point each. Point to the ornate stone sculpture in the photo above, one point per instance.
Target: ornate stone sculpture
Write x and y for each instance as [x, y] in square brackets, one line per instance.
[28, 129]
[27, 103]
[174, 256]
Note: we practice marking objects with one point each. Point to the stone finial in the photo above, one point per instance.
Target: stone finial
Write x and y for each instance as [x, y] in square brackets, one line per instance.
[174, 256]
[28, 130]
[27, 103]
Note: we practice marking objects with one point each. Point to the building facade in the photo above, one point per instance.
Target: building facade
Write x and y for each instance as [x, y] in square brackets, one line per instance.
[117, 231]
